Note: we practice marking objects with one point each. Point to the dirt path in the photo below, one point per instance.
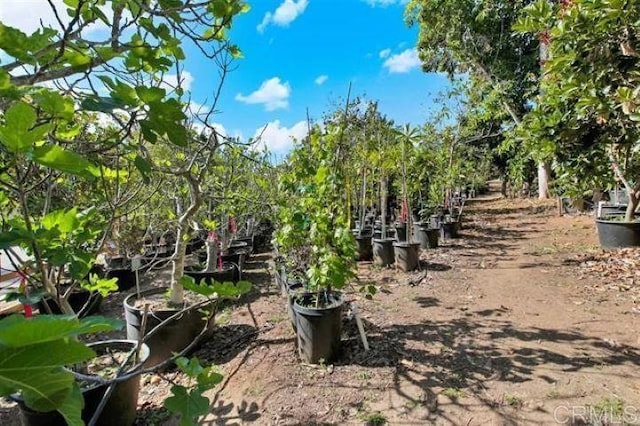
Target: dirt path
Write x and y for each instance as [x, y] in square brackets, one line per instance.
[500, 331]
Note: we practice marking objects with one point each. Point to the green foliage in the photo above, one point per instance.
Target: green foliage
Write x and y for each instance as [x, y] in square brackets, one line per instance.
[221, 290]
[33, 353]
[494, 70]
[586, 114]
[189, 402]
[313, 215]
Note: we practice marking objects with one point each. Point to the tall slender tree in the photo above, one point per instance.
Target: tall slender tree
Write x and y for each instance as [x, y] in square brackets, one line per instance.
[476, 39]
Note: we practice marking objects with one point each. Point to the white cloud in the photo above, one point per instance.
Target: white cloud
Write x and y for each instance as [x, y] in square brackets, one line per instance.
[272, 93]
[277, 138]
[402, 62]
[321, 79]
[385, 53]
[285, 14]
[27, 15]
[170, 81]
[385, 3]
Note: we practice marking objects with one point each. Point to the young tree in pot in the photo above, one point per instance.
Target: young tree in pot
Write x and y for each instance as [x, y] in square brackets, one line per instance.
[384, 155]
[588, 108]
[407, 251]
[314, 212]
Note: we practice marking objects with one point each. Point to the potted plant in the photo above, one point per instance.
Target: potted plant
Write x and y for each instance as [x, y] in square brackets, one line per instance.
[179, 319]
[314, 213]
[405, 249]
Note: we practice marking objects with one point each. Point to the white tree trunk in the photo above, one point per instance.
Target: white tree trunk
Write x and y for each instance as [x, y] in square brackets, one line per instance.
[177, 292]
[543, 180]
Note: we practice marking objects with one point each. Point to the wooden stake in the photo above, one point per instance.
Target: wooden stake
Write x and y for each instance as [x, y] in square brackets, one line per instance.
[363, 336]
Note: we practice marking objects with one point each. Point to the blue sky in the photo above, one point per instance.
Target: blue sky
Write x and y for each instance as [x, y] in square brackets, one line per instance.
[301, 54]
[306, 56]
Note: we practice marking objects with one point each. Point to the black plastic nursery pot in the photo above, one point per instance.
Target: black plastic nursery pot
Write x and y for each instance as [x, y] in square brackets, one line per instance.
[434, 221]
[195, 244]
[365, 249]
[117, 262]
[383, 251]
[401, 231]
[618, 234]
[236, 256]
[172, 337]
[609, 210]
[427, 237]
[294, 287]
[406, 255]
[126, 277]
[319, 330]
[248, 240]
[226, 272]
[449, 229]
[121, 406]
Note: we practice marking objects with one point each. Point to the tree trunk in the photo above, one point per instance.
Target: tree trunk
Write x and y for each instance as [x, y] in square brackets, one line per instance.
[543, 180]
[631, 206]
[212, 256]
[383, 205]
[177, 292]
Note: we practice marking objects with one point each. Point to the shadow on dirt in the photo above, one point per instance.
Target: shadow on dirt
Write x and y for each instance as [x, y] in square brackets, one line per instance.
[465, 352]
[226, 343]
[434, 267]
[229, 414]
[426, 301]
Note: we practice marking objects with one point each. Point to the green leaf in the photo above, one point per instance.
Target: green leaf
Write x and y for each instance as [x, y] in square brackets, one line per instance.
[188, 404]
[17, 331]
[71, 407]
[102, 104]
[13, 238]
[18, 133]
[65, 221]
[57, 158]
[150, 94]
[143, 167]
[35, 370]
[104, 286]
[190, 367]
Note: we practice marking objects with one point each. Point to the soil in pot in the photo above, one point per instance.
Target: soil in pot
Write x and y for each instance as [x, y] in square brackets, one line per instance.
[319, 330]
[173, 336]
[406, 255]
[618, 233]
[122, 404]
[383, 251]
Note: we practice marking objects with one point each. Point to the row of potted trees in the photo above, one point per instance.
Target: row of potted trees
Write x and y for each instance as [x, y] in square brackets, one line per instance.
[104, 126]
